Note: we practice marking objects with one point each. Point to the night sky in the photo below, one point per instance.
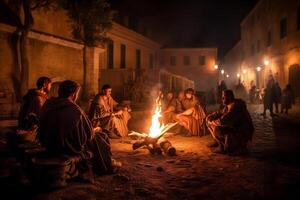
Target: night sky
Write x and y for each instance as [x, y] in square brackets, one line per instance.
[188, 23]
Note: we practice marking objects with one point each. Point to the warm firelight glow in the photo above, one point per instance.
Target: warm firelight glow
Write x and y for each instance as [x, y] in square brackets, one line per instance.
[238, 75]
[266, 62]
[156, 126]
[244, 71]
[216, 66]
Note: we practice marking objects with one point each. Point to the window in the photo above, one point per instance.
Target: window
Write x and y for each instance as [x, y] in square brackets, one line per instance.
[138, 58]
[269, 39]
[258, 46]
[110, 55]
[298, 18]
[123, 56]
[186, 60]
[151, 61]
[283, 28]
[172, 60]
[202, 60]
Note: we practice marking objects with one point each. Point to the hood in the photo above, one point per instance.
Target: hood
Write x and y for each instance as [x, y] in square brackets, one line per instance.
[56, 103]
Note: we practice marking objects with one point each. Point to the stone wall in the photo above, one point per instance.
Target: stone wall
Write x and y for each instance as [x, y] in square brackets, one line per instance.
[261, 40]
[48, 55]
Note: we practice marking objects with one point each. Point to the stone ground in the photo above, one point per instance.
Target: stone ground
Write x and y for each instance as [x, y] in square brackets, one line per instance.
[270, 171]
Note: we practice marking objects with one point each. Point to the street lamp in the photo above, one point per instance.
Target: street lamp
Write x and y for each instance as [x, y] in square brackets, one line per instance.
[266, 62]
[216, 66]
[244, 71]
[222, 71]
[227, 76]
[258, 69]
[238, 75]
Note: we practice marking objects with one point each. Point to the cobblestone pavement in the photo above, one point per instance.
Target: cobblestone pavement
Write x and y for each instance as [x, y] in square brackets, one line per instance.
[270, 171]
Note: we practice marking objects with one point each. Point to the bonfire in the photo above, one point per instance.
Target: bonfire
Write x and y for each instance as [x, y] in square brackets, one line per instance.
[154, 140]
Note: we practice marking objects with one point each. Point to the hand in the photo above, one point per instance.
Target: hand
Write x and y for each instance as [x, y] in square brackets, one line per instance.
[120, 112]
[97, 129]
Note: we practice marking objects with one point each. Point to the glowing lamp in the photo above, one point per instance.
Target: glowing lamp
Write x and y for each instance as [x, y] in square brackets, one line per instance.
[222, 71]
[258, 69]
[216, 66]
[266, 62]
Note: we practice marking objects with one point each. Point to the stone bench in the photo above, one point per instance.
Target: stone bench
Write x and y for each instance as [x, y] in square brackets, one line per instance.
[47, 171]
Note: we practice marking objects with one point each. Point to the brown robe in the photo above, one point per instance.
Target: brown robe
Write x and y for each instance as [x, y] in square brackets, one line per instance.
[66, 130]
[169, 113]
[100, 113]
[30, 109]
[193, 117]
[232, 126]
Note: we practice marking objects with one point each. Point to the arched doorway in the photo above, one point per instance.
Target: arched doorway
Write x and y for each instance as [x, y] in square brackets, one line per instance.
[294, 78]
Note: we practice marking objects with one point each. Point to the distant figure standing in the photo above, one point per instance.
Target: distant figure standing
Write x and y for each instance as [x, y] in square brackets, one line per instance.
[269, 97]
[32, 104]
[277, 98]
[252, 94]
[240, 91]
[288, 98]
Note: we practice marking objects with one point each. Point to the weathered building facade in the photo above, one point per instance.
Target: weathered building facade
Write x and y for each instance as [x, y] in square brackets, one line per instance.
[269, 45]
[195, 63]
[128, 62]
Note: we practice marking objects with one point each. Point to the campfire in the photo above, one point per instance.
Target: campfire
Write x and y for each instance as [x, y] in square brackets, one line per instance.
[154, 140]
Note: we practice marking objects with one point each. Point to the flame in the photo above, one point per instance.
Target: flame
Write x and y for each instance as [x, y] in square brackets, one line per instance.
[156, 126]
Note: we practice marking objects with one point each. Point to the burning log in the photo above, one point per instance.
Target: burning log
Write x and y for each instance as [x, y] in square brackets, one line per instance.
[145, 142]
[156, 132]
[167, 147]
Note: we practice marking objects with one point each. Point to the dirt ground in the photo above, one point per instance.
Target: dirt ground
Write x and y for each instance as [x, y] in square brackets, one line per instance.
[270, 171]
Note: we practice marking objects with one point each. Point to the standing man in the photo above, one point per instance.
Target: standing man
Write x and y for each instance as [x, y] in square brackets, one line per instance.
[277, 96]
[269, 97]
[107, 114]
[32, 104]
[230, 127]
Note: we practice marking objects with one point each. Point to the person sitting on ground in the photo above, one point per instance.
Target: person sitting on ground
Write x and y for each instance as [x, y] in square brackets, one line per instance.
[193, 116]
[32, 104]
[230, 127]
[169, 112]
[66, 130]
[107, 114]
[288, 98]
